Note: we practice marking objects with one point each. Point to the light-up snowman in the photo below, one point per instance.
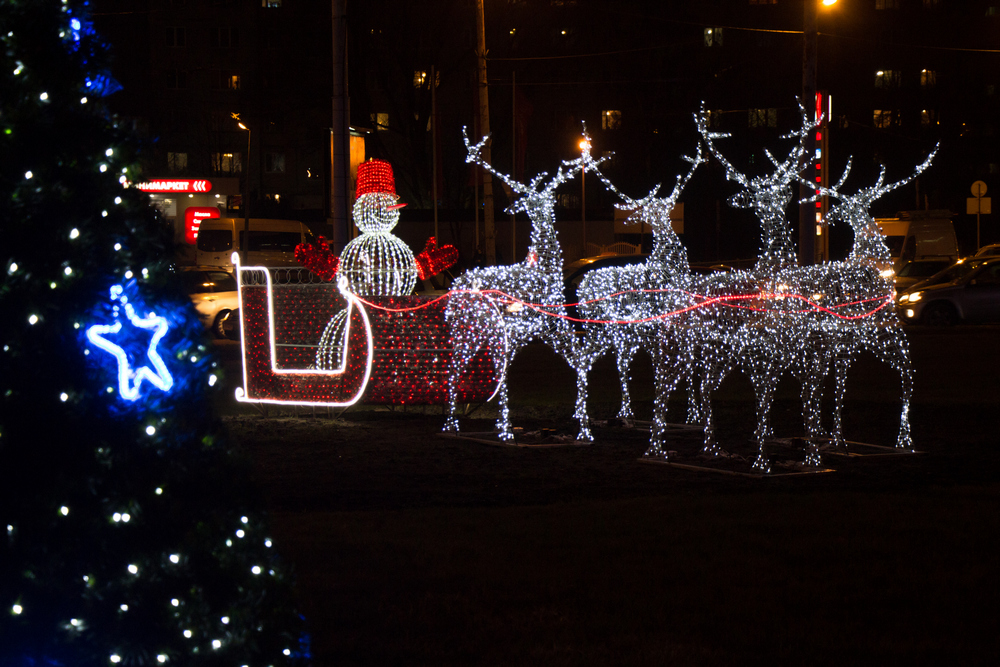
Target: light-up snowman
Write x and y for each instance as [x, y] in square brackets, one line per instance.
[377, 263]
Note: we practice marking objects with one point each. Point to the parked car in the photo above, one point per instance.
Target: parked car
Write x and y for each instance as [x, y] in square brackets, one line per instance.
[992, 250]
[968, 291]
[213, 293]
[917, 271]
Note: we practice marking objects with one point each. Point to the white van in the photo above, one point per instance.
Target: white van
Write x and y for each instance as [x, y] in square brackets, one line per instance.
[918, 235]
[272, 242]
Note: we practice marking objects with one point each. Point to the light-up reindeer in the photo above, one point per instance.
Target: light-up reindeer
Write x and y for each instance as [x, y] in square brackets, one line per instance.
[746, 324]
[626, 305]
[506, 307]
[862, 279]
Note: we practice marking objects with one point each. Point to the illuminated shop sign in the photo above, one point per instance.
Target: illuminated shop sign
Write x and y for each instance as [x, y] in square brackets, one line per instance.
[176, 185]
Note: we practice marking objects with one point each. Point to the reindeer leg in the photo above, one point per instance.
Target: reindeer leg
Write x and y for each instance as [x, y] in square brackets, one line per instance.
[624, 354]
[894, 349]
[842, 365]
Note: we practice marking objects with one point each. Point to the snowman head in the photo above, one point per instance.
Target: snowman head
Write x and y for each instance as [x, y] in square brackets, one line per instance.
[376, 209]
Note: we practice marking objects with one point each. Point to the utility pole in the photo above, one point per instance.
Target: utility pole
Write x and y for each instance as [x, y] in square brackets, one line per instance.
[340, 133]
[807, 210]
[489, 228]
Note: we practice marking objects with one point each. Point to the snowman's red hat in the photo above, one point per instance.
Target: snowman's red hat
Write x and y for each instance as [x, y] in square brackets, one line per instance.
[376, 176]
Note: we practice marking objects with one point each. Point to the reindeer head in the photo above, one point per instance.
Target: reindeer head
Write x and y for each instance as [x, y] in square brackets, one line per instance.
[854, 209]
[768, 195]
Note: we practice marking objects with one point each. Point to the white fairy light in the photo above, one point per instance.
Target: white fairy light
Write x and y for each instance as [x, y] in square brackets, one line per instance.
[627, 304]
[477, 311]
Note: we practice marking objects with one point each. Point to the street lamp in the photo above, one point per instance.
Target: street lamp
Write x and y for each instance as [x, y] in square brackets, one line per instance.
[807, 211]
[584, 146]
[245, 242]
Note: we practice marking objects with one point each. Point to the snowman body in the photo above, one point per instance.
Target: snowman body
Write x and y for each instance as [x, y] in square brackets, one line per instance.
[378, 263]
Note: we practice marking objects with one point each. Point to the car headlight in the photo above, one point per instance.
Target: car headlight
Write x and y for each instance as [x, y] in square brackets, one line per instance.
[904, 298]
[916, 296]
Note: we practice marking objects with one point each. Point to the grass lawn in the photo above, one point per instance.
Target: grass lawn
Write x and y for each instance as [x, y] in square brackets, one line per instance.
[415, 549]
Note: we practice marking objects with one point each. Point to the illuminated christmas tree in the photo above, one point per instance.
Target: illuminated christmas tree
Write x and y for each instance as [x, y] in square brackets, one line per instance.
[131, 536]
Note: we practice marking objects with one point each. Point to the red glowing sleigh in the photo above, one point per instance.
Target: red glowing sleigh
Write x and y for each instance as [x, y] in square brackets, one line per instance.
[394, 351]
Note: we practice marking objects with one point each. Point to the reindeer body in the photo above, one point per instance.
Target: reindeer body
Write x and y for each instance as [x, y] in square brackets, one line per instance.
[744, 325]
[507, 307]
[618, 299]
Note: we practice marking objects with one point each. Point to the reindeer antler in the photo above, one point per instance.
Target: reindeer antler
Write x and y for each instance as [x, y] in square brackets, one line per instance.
[474, 156]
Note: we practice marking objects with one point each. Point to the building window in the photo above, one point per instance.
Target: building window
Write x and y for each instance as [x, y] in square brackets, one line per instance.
[274, 163]
[419, 78]
[928, 78]
[885, 118]
[992, 10]
[227, 163]
[273, 196]
[888, 78]
[176, 37]
[177, 161]
[886, 4]
[611, 119]
[226, 80]
[929, 117]
[270, 3]
[713, 118]
[176, 79]
[713, 36]
[225, 38]
[763, 117]
[381, 121]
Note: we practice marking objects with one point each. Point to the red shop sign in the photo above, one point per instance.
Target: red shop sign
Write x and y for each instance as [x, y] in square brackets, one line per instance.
[192, 220]
[176, 185]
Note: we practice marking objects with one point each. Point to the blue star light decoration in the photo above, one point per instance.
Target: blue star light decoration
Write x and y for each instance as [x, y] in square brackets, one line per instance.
[129, 379]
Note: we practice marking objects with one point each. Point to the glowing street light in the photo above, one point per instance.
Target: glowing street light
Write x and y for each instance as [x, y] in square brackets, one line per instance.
[245, 243]
[585, 147]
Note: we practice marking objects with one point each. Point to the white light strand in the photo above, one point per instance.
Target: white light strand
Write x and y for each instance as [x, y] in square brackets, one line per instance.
[477, 320]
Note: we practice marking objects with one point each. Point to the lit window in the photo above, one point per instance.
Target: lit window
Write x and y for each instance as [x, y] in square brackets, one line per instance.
[270, 3]
[884, 118]
[177, 161]
[381, 121]
[929, 117]
[928, 78]
[611, 119]
[713, 36]
[992, 10]
[713, 118]
[272, 196]
[226, 80]
[227, 163]
[886, 4]
[763, 117]
[176, 36]
[419, 78]
[274, 163]
[888, 78]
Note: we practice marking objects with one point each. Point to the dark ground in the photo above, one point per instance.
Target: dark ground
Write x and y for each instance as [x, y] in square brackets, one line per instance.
[411, 548]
